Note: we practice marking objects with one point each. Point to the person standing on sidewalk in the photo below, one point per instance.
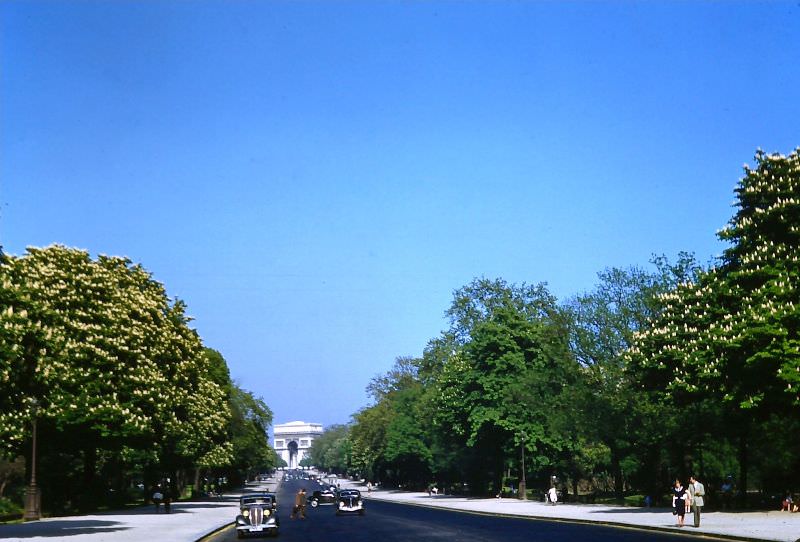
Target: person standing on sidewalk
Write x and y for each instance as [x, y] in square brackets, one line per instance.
[678, 502]
[157, 497]
[696, 490]
[167, 499]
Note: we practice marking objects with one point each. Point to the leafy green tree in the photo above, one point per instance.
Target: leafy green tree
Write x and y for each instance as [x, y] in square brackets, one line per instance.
[407, 453]
[23, 343]
[100, 380]
[505, 378]
[368, 438]
[612, 410]
[111, 363]
[733, 334]
[331, 450]
[245, 451]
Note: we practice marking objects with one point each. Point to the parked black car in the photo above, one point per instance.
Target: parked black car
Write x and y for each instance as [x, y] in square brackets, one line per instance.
[258, 514]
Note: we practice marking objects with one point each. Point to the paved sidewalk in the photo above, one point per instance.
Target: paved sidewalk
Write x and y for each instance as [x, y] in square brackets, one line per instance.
[772, 526]
[188, 522]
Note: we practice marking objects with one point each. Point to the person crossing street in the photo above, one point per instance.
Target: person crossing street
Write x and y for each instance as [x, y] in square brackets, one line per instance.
[299, 504]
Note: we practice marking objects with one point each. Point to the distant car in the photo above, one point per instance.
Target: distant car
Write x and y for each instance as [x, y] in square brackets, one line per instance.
[349, 501]
[321, 496]
[258, 514]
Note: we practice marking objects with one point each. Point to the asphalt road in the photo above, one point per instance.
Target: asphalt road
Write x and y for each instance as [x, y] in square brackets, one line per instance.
[390, 522]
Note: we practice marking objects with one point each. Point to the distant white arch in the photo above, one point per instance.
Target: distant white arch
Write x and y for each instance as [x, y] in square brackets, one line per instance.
[292, 441]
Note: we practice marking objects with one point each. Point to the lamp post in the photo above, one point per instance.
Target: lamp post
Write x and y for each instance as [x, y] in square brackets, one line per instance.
[33, 496]
[522, 492]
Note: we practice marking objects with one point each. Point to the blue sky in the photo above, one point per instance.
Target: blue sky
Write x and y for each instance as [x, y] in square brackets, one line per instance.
[315, 179]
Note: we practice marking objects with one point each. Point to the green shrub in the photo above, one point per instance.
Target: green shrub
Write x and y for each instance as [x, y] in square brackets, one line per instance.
[8, 507]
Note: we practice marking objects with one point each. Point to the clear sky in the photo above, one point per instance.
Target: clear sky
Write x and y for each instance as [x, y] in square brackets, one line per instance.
[315, 179]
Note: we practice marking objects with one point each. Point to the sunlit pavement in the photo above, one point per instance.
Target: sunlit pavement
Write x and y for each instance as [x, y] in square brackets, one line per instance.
[188, 521]
[781, 526]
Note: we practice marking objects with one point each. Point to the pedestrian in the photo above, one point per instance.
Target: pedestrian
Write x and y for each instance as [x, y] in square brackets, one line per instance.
[157, 497]
[696, 492]
[369, 487]
[552, 494]
[299, 504]
[727, 492]
[679, 502]
[167, 500]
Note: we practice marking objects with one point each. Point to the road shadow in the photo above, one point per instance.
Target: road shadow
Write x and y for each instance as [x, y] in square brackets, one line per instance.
[628, 510]
[59, 528]
[198, 505]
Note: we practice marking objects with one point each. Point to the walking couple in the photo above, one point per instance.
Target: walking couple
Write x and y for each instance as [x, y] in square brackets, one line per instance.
[684, 499]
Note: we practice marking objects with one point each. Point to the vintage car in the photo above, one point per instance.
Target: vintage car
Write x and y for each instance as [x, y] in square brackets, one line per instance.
[258, 514]
[321, 496]
[349, 501]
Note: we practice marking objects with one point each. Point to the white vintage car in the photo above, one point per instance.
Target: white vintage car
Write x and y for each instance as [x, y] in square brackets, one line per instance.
[258, 514]
[349, 501]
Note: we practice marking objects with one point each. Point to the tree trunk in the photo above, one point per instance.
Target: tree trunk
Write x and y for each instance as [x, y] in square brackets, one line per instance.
[196, 485]
[616, 471]
[743, 464]
[89, 467]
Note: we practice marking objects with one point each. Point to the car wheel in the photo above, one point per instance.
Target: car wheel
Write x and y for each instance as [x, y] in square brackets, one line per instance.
[239, 534]
[360, 512]
[314, 503]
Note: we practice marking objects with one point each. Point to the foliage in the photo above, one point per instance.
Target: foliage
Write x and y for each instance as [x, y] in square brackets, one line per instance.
[733, 333]
[614, 411]
[118, 381]
[331, 450]
[652, 374]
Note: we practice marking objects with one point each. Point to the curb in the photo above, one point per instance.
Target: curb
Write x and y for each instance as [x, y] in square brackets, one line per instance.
[232, 523]
[696, 534]
[215, 531]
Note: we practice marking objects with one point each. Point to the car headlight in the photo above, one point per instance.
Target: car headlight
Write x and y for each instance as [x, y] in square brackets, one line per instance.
[246, 513]
[266, 513]
[341, 504]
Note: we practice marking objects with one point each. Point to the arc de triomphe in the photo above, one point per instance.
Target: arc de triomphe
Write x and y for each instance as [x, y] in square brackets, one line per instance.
[292, 440]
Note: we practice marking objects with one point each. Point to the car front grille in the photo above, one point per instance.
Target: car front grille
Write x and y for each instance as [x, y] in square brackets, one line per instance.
[256, 515]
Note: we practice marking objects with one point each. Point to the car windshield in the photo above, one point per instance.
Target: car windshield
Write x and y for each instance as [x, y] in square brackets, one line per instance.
[265, 499]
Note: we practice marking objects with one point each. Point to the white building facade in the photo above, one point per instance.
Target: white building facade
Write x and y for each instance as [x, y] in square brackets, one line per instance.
[292, 441]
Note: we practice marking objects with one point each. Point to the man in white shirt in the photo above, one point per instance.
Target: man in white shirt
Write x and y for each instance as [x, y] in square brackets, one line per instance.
[696, 490]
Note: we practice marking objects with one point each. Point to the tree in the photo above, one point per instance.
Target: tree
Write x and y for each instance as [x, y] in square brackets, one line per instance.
[502, 382]
[368, 438]
[111, 363]
[733, 334]
[612, 410]
[332, 449]
[23, 343]
[248, 433]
